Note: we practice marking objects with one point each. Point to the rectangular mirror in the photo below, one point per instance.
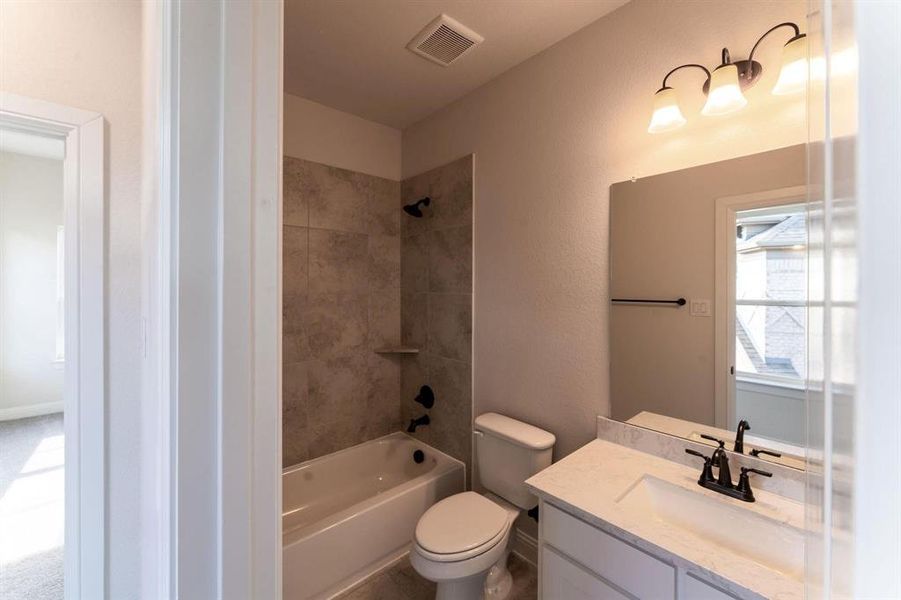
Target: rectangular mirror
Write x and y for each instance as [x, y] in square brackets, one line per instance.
[708, 306]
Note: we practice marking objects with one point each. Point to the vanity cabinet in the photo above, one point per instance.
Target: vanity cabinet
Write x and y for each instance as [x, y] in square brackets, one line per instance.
[580, 561]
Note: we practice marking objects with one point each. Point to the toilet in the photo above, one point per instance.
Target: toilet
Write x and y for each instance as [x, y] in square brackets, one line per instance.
[463, 541]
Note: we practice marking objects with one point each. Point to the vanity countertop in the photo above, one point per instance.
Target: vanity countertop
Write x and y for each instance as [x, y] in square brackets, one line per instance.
[590, 482]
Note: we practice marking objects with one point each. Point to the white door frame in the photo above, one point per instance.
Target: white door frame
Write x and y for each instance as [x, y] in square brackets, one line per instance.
[85, 392]
[213, 303]
[724, 345]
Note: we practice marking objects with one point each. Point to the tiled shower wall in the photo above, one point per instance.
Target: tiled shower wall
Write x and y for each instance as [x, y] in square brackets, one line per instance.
[436, 305]
[341, 279]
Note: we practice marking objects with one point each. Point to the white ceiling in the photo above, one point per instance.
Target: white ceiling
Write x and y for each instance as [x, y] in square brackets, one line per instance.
[351, 54]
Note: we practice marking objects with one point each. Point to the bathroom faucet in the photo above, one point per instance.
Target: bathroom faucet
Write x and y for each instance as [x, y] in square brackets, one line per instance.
[720, 460]
[740, 436]
[414, 423]
[723, 482]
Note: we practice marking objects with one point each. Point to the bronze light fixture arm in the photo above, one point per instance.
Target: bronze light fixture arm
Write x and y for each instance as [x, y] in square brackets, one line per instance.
[685, 66]
[796, 36]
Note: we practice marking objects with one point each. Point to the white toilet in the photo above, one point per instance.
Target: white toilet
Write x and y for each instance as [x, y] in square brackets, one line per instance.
[462, 542]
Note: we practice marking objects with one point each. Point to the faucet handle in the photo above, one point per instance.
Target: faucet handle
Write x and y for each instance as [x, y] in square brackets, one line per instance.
[745, 470]
[696, 453]
[719, 455]
[713, 439]
[744, 485]
[756, 452]
[707, 472]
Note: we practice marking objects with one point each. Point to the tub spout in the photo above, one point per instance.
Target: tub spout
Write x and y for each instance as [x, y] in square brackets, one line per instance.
[414, 423]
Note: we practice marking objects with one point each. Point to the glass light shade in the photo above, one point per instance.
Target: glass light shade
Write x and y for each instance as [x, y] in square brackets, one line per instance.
[667, 115]
[725, 94]
[793, 75]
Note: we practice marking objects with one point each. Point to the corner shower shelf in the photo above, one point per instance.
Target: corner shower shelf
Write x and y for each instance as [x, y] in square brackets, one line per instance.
[397, 350]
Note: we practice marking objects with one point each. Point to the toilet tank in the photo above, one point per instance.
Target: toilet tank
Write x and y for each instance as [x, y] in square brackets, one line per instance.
[507, 453]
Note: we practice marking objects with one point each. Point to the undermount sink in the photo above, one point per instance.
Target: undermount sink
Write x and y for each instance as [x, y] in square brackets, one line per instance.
[737, 530]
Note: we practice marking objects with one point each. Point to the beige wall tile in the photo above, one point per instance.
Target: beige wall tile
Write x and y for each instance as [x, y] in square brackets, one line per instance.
[414, 314]
[341, 202]
[450, 326]
[294, 413]
[452, 414]
[384, 262]
[450, 260]
[384, 206]
[337, 324]
[384, 319]
[415, 263]
[338, 261]
[451, 193]
[297, 187]
[294, 261]
[436, 305]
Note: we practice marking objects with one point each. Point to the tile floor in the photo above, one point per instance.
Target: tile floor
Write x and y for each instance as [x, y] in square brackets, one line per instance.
[401, 582]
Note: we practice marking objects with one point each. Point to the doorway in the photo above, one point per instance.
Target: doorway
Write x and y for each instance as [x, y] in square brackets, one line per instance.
[32, 362]
[52, 380]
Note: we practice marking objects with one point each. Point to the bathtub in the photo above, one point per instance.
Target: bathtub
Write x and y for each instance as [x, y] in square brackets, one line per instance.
[350, 513]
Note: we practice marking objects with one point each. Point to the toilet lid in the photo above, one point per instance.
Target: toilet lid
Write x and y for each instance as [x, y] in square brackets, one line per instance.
[460, 523]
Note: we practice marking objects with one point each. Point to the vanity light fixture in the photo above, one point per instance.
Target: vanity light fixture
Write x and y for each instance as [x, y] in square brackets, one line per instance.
[725, 85]
[724, 95]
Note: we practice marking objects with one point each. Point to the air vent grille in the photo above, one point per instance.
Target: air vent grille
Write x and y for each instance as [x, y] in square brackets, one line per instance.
[444, 41]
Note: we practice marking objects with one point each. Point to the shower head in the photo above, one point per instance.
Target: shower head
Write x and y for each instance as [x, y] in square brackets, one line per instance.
[413, 209]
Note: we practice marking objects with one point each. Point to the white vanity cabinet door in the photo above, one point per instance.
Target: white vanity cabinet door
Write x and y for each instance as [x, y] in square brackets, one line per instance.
[562, 579]
[622, 564]
[695, 589]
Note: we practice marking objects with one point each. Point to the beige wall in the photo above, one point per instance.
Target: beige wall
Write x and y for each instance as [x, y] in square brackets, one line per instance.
[88, 55]
[332, 137]
[549, 137]
[662, 245]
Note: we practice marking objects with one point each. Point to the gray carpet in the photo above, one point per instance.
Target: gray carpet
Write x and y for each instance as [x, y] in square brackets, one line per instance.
[37, 576]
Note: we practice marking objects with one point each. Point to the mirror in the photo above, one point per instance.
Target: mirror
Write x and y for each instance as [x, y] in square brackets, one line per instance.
[708, 303]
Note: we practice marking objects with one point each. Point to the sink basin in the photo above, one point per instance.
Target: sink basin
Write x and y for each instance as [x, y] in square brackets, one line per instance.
[737, 530]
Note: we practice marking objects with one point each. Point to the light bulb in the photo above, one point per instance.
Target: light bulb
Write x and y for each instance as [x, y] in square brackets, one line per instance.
[667, 115]
[725, 94]
[793, 74]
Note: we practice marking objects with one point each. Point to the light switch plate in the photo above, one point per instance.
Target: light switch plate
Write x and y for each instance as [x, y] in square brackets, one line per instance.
[699, 308]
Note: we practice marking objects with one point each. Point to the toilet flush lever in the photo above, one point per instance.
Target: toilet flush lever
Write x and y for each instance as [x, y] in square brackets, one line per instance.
[477, 433]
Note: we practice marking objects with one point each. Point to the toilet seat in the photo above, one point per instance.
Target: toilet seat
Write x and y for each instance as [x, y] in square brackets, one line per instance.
[460, 527]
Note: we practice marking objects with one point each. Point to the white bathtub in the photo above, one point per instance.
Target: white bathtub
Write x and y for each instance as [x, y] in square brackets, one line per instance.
[348, 514]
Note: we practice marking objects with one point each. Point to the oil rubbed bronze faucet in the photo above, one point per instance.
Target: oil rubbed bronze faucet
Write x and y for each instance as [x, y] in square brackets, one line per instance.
[414, 423]
[722, 483]
[739, 446]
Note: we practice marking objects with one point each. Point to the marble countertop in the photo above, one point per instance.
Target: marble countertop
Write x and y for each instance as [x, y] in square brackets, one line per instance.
[589, 482]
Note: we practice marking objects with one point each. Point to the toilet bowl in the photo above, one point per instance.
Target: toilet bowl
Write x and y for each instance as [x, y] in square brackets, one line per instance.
[462, 542]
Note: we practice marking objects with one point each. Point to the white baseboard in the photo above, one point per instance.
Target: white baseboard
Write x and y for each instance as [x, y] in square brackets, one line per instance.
[526, 547]
[31, 410]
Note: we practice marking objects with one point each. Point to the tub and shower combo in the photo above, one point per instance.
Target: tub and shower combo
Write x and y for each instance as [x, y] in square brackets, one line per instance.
[359, 505]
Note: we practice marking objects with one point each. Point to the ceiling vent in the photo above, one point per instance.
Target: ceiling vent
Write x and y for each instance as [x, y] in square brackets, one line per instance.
[444, 40]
